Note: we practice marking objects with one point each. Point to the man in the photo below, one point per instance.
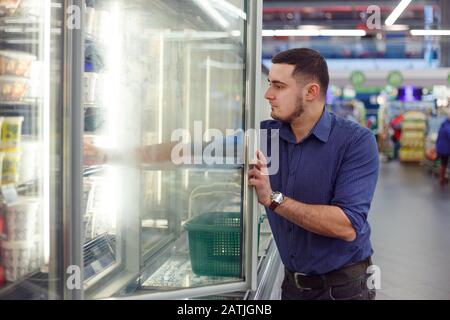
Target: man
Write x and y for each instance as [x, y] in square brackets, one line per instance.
[396, 125]
[443, 149]
[317, 203]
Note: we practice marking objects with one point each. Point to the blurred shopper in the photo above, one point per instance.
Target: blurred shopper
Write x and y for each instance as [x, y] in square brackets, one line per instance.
[318, 201]
[443, 149]
[396, 125]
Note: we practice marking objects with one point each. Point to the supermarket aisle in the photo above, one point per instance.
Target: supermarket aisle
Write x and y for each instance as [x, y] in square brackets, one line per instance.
[410, 220]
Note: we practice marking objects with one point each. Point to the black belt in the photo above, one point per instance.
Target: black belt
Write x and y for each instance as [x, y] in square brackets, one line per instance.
[333, 278]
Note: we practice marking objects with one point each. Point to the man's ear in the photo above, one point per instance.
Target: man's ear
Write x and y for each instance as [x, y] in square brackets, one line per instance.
[312, 91]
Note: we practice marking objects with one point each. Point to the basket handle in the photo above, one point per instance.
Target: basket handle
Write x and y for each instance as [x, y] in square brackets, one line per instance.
[209, 186]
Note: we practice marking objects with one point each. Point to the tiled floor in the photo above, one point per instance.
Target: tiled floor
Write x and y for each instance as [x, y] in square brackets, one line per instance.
[410, 219]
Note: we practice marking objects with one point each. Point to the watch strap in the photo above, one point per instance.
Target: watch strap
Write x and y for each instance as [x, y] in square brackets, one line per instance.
[273, 205]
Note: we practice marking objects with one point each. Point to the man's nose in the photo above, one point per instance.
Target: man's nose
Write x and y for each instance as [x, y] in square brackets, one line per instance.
[268, 95]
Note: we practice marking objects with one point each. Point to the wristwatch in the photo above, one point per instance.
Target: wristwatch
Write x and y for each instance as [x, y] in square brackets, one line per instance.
[277, 198]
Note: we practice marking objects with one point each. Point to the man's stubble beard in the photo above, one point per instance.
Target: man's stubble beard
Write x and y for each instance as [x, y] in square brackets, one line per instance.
[299, 110]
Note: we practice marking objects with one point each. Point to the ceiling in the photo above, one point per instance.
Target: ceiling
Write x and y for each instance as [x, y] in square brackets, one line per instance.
[282, 14]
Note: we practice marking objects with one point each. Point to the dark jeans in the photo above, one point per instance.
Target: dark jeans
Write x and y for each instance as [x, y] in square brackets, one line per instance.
[444, 160]
[396, 147]
[354, 290]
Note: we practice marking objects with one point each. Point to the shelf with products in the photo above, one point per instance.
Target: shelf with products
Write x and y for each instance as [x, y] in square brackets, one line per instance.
[21, 147]
[412, 140]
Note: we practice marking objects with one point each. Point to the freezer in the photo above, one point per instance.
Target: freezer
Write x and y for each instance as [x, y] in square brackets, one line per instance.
[158, 72]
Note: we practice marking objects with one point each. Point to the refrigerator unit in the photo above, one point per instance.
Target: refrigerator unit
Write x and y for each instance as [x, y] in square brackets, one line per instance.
[31, 96]
[130, 77]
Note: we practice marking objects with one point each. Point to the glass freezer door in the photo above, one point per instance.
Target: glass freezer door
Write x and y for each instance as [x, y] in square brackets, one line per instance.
[31, 95]
[158, 75]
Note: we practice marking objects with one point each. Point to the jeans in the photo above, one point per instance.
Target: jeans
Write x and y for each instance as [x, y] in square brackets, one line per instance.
[356, 289]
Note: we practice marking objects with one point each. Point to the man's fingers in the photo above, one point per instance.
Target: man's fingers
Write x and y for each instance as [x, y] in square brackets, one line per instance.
[260, 156]
[254, 173]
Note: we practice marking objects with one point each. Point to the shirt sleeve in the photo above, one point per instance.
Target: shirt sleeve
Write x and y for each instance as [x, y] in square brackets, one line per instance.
[357, 178]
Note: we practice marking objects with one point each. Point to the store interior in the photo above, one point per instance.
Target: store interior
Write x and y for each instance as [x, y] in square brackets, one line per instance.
[131, 73]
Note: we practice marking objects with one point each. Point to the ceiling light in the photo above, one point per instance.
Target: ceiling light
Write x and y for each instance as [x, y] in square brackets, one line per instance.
[313, 33]
[397, 12]
[290, 33]
[343, 33]
[430, 32]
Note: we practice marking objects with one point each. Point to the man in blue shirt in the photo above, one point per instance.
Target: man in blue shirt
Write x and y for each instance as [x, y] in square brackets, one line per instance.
[318, 201]
[443, 149]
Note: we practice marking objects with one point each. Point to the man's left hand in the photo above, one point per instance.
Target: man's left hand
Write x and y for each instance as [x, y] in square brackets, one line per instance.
[259, 179]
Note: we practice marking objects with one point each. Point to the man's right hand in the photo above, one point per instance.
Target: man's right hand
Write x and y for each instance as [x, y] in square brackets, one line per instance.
[93, 155]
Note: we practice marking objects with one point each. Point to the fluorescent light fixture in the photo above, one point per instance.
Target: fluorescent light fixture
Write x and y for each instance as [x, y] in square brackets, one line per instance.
[310, 27]
[213, 13]
[430, 32]
[397, 12]
[313, 33]
[343, 33]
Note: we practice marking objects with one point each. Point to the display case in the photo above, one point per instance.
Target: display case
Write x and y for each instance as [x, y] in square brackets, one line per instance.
[412, 141]
[31, 95]
[158, 73]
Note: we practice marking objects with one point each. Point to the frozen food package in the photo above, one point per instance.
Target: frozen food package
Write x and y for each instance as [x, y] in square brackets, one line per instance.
[90, 80]
[2, 156]
[10, 168]
[11, 133]
[13, 88]
[29, 9]
[90, 20]
[8, 7]
[2, 275]
[15, 256]
[22, 220]
[16, 63]
[29, 160]
[2, 224]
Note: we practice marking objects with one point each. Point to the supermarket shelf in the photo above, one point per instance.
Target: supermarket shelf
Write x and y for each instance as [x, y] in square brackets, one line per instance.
[90, 170]
[93, 105]
[28, 102]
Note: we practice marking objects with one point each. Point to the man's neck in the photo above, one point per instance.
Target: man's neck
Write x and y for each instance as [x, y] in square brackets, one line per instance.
[302, 125]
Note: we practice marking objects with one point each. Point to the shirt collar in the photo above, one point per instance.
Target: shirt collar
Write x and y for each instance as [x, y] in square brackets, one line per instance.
[321, 129]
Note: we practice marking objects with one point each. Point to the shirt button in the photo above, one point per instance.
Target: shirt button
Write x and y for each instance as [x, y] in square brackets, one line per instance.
[290, 229]
[292, 256]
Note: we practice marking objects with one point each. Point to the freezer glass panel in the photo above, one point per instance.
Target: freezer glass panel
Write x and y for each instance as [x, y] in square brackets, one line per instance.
[159, 75]
[30, 151]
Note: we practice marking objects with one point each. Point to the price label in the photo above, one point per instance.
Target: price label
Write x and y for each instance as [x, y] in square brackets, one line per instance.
[9, 193]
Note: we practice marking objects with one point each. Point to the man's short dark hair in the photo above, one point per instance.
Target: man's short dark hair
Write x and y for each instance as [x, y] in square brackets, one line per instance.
[308, 63]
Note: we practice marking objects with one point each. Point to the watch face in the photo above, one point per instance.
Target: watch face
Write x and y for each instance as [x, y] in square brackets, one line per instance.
[277, 197]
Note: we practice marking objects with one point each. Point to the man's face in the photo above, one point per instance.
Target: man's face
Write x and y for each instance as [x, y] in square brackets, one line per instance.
[285, 93]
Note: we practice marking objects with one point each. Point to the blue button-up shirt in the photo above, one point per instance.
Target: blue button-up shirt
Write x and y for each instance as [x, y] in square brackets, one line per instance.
[443, 140]
[336, 164]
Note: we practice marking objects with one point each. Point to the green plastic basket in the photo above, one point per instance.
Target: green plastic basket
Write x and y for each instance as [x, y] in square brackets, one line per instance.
[215, 244]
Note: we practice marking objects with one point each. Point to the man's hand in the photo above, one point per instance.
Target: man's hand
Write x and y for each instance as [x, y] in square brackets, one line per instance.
[259, 179]
[93, 155]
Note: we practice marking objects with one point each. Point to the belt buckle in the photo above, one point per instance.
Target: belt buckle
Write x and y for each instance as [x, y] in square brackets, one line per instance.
[296, 281]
